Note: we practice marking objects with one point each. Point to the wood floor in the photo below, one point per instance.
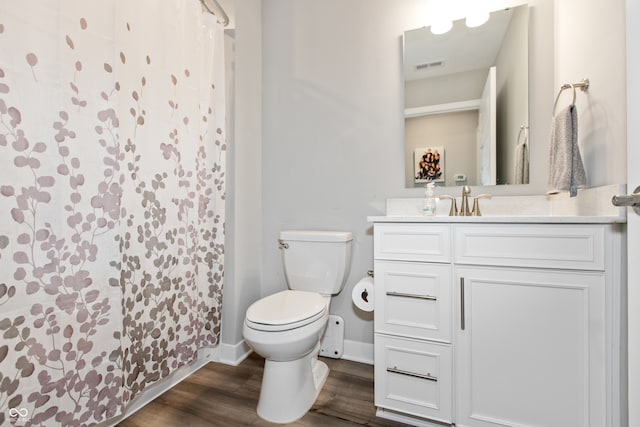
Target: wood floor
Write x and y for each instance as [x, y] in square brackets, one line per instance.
[226, 396]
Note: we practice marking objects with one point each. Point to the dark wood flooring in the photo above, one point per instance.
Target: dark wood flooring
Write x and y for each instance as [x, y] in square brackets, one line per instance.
[226, 396]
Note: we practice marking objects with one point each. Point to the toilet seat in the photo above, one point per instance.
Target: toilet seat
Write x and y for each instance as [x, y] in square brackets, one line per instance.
[285, 310]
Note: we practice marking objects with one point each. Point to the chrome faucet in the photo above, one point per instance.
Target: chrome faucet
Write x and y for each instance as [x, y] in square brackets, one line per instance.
[464, 208]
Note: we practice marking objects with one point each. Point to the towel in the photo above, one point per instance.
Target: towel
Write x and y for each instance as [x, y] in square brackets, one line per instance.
[522, 163]
[566, 171]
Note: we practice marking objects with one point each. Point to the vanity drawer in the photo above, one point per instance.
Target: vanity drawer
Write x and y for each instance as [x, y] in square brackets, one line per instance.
[414, 377]
[580, 247]
[412, 242]
[413, 299]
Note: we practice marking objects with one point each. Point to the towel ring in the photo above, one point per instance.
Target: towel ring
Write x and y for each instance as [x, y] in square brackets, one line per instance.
[524, 129]
[583, 85]
[562, 88]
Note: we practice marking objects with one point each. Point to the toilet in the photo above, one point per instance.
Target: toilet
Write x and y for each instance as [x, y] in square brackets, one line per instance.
[286, 327]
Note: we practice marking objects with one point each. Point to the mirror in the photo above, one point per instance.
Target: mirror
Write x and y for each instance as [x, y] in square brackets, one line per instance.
[466, 102]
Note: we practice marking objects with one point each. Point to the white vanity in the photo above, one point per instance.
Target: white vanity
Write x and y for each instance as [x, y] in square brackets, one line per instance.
[500, 321]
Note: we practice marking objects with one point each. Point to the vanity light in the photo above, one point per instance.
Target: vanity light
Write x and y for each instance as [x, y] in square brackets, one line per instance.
[477, 19]
[441, 27]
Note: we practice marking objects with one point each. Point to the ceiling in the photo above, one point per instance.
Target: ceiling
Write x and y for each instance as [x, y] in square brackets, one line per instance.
[461, 49]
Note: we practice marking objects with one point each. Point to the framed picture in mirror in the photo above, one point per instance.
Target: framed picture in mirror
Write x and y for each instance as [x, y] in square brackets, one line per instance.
[428, 164]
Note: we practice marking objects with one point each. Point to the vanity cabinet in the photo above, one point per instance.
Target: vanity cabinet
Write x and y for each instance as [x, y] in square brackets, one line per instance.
[485, 324]
[413, 320]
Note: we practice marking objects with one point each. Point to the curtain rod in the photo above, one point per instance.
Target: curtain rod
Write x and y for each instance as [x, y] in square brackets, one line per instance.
[215, 9]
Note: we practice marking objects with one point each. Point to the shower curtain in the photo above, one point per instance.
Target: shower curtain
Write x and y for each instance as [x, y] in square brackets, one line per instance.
[112, 182]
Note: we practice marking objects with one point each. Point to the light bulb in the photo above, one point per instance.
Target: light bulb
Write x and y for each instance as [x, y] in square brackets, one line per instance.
[441, 27]
[477, 19]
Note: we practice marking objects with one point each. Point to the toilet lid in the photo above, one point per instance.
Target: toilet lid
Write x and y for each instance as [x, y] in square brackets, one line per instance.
[285, 310]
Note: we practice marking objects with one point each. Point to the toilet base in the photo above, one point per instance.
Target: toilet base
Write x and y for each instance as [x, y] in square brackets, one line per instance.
[289, 389]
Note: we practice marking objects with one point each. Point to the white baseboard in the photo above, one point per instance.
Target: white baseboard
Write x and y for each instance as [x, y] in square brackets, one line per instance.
[357, 351]
[234, 354]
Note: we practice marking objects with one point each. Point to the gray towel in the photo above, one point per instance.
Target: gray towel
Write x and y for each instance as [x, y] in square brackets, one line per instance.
[566, 172]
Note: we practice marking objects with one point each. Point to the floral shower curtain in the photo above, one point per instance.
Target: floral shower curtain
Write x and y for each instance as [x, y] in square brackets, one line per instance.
[111, 201]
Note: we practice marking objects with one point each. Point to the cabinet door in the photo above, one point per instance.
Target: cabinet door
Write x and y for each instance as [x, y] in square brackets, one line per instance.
[413, 299]
[530, 348]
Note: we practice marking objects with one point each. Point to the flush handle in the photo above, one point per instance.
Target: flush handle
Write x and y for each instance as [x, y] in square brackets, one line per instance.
[282, 244]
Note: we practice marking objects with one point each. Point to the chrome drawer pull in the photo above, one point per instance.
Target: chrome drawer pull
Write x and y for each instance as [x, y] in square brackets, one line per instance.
[462, 318]
[411, 374]
[402, 294]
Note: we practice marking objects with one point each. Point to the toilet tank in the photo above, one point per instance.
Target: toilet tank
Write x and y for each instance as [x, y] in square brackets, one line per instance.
[316, 261]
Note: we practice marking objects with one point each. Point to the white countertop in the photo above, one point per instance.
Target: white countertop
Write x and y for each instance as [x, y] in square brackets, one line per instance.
[514, 219]
[590, 206]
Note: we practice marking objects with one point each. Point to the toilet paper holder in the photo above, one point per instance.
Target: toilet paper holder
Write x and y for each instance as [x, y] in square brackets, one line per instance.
[362, 294]
[365, 295]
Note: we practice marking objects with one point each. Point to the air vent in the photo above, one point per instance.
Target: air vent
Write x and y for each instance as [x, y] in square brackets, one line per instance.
[432, 64]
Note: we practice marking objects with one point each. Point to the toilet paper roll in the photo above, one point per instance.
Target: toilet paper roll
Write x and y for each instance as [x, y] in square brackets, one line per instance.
[362, 294]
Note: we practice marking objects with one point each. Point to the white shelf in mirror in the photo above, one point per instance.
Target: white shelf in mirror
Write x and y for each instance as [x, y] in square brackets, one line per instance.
[451, 107]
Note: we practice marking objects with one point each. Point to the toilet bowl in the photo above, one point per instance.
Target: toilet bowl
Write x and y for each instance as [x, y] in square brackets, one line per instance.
[286, 327]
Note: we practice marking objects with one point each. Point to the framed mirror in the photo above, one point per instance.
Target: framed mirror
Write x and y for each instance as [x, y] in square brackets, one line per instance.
[466, 102]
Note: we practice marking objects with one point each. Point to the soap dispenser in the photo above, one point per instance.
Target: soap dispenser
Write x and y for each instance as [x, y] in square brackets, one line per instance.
[429, 203]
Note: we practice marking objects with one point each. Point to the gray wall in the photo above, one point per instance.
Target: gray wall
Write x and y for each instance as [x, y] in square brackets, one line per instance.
[591, 42]
[333, 123]
[243, 249]
[327, 126]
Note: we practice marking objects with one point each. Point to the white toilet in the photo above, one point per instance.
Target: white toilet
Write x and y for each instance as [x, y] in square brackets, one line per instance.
[286, 328]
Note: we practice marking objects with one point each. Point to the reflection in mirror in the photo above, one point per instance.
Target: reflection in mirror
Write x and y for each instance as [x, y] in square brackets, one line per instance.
[466, 95]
